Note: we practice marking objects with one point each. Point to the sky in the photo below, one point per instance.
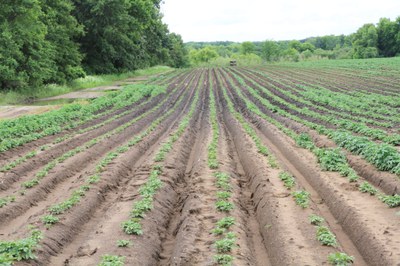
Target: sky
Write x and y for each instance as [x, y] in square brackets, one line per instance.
[260, 20]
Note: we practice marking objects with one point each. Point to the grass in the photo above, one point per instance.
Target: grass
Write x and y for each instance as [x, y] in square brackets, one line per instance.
[50, 90]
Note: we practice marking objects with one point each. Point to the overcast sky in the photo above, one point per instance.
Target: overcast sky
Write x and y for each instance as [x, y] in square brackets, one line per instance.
[258, 20]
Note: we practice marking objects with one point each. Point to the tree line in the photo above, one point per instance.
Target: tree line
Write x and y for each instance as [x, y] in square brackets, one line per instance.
[55, 41]
[370, 40]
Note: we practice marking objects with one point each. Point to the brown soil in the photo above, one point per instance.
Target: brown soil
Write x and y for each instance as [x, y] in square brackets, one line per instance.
[8, 112]
[270, 228]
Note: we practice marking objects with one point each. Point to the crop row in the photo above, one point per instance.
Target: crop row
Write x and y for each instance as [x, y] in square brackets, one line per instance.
[58, 209]
[329, 159]
[384, 156]
[301, 197]
[59, 140]
[345, 124]
[49, 166]
[16, 132]
[148, 190]
[133, 226]
[225, 237]
[380, 102]
[154, 90]
[338, 81]
[351, 107]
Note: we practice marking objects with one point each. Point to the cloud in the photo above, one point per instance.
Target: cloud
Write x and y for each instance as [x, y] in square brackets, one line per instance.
[258, 20]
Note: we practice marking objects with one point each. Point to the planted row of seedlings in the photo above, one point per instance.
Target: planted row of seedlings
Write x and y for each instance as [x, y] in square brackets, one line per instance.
[354, 104]
[360, 82]
[149, 189]
[60, 208]
[301, 197]
[352, 117]
[330, 159]
[141, 92]
[133, 226]
[338, 82]
[151, 91]
[384, 156]
[295, 94]
[344, 124]
[301, 93]
[367, 229]
[107, 259]
[45, 170]
[27, 128]
[370, 106]
[76, 196]
[226, 238]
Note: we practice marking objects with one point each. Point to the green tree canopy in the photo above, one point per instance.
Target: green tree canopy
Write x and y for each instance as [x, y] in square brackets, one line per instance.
[62, 30]
[388, 37]
[365, 42]
[203, 55]
[270, 51]
[247, 48]
[26, 57]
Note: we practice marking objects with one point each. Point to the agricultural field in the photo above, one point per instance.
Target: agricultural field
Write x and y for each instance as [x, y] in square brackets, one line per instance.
[286, 164]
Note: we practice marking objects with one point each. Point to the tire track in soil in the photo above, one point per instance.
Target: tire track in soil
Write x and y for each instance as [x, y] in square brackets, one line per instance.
[10, 178]
[317, 205]
[188, 236]
[363, 218]
[270, 229]
[278, 218]
[251, 249]
[147, 248]
[189, 240]
[74, 166]
[106, 207]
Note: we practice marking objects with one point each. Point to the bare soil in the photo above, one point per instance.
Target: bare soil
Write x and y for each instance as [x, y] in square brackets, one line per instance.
[270, 228]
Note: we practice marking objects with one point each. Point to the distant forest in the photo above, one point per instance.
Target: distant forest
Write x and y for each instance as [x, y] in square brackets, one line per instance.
[55, 41]
[380, 40]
